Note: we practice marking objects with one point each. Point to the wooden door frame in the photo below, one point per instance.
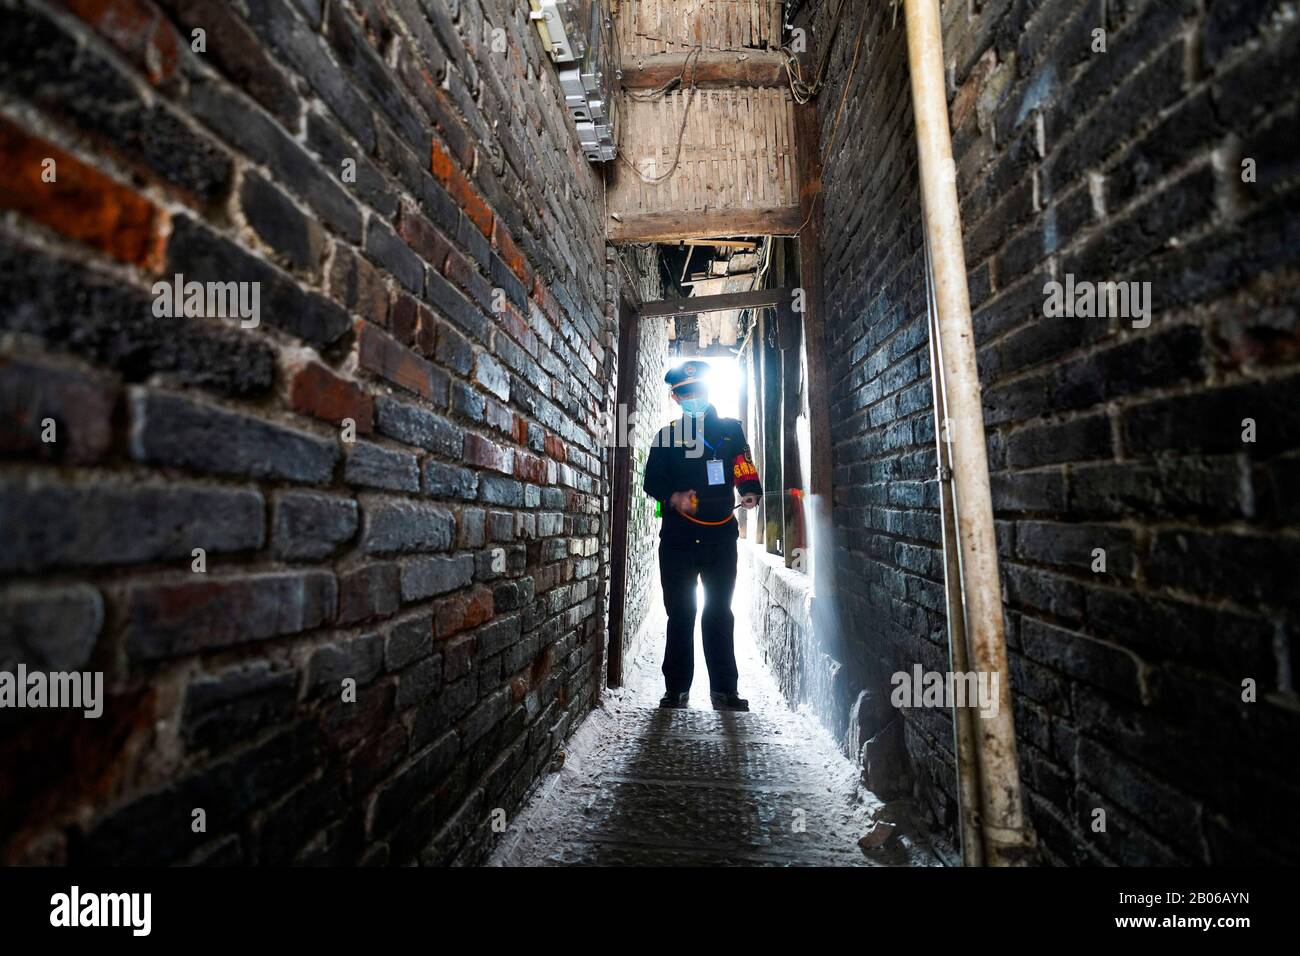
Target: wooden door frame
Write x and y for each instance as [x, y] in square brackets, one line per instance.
[629, 338]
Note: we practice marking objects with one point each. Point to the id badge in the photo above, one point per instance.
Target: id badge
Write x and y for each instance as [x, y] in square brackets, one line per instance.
[716, 474]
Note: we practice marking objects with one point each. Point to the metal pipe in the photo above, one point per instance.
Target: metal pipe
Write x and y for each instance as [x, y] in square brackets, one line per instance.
[1006, 836]
[965, 754]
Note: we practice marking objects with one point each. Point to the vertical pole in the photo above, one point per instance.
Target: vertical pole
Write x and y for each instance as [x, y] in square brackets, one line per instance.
[965, 751]
[1006, 837]
[629, 338]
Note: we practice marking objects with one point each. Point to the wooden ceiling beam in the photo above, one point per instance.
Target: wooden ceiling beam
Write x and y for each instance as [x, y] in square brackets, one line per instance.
[649, 71]
[721, 243]
[703, 224]
[726, 301]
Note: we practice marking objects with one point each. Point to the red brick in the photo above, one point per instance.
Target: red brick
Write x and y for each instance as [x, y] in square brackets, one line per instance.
[138, 29]
[382, 355]
[440, 164]
[82, 203]
[542, 296]
[518, 689]
[462, 611]
[510, 253]
[315, 390]
[426, 335]
[407, 316]
[472, 204]
[423, 237]
[458, 139]
[461, 189]
[521, 430]
[530, 468]
[460, 270]
[367, 592]
[170, 618]
[555, 448]
[515, 324]
[487, 454]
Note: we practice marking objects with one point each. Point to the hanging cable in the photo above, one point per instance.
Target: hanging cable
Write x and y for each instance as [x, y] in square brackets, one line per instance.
[692, 63]
[839, 112]
[802, 91]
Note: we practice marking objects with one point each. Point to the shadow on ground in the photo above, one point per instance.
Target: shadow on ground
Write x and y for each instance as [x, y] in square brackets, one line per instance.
[641, 786]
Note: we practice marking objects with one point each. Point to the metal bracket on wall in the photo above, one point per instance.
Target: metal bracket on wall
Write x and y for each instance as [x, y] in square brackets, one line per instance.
[579, 36]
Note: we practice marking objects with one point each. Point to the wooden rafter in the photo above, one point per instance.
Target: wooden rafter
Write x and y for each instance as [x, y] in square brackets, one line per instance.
[715, 303]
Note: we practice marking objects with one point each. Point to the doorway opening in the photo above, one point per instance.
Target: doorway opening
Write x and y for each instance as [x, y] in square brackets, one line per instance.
[735, 304]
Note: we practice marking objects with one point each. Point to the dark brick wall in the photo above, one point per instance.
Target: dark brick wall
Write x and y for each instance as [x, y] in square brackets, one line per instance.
[1123, 165]
[643, 526]
[451, 302]
[641, 266]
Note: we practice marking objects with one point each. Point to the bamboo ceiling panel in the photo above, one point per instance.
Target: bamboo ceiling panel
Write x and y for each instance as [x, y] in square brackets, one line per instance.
[737, 158]
[674, 26]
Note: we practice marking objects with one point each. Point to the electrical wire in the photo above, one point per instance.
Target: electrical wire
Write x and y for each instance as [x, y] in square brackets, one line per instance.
[692, 63]
[839, 112]
[804, 92]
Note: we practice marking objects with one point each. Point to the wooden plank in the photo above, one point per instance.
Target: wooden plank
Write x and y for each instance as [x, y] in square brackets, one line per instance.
[675, 226]
[711, 70]
[773, 480]
[722, 243]
[790, 337]
[623, 495]
[676, 26]
[694, 305]
[809, 170]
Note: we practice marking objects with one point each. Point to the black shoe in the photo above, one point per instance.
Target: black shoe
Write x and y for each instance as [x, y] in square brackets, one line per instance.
[728, 701]
[675, 701]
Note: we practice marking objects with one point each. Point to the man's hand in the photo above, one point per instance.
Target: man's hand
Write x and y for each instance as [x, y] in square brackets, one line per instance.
[749, 501]
[684, 501]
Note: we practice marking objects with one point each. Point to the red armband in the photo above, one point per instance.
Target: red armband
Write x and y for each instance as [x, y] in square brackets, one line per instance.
[742, 467]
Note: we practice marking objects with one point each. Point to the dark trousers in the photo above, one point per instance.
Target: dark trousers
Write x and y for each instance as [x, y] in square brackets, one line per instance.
[714, 563]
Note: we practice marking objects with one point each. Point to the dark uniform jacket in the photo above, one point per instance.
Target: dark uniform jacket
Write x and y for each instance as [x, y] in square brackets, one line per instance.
[679, 461]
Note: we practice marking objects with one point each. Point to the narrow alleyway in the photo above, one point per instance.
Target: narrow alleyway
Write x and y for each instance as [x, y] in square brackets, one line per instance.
[335, 338]
[650, 787]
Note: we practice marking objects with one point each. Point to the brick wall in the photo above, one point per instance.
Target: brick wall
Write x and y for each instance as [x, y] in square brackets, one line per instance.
[1122, 165]
[642, 525]
[396, 477]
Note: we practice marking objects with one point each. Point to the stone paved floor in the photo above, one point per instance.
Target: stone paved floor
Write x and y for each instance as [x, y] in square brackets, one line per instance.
[643, 786]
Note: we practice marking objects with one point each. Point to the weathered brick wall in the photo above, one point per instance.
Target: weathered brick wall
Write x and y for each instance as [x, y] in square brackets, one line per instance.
[1122, 165]
[639, 268]
[450, 300]
[642, 525]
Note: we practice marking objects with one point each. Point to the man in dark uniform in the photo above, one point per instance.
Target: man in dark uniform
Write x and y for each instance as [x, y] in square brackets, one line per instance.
[696, 466]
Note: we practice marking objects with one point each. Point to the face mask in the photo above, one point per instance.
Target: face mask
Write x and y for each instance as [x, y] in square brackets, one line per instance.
[695, 407]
